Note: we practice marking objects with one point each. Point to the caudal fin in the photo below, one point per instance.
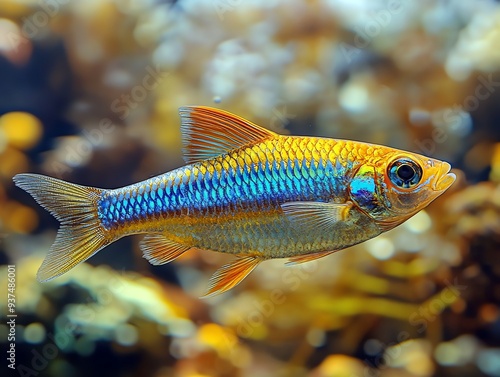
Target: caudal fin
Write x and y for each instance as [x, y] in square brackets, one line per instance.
[80, 235]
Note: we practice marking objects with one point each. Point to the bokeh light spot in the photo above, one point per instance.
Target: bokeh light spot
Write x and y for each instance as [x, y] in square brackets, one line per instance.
[34, 333]
[22, 130]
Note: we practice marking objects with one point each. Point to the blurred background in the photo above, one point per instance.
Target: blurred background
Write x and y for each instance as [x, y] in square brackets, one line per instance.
[89, 93]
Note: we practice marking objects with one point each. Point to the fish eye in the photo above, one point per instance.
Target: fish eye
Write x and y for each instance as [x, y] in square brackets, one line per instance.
[404, 173]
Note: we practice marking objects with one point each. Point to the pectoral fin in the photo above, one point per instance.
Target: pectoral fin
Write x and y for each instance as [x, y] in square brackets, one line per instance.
[158, 249]
[231, 274]
[316, 215]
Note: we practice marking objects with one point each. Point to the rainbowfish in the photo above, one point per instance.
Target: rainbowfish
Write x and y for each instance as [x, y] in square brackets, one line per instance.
[246, 191]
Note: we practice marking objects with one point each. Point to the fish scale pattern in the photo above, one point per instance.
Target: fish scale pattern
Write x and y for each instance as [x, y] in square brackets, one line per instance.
[254, 178]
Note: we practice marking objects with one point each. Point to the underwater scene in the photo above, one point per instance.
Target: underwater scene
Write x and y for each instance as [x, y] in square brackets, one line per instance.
[91, 92]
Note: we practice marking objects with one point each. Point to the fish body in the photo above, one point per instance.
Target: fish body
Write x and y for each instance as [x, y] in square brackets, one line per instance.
[232, 203]
[246, 191]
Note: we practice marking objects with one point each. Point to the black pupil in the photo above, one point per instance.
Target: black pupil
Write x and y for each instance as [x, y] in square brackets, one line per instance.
[405, 172]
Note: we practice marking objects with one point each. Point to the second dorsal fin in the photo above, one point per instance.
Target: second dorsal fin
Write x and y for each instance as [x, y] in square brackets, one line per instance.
[209, 132]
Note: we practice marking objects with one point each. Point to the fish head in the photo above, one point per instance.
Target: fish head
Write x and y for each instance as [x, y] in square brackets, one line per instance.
[398, 186]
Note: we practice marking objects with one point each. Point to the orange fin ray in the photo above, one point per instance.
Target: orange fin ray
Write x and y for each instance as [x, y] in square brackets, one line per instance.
[158, 249]
[231, 274]
[208, 132]
[307, 258]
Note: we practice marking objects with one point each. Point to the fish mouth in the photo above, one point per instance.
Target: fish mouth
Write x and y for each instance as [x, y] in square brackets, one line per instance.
[444, 178]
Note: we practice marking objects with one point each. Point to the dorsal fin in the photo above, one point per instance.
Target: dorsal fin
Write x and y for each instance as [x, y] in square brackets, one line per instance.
[209, 132]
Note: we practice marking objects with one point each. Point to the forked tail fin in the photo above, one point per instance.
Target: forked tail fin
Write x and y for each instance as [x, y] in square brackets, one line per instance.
[80, 235]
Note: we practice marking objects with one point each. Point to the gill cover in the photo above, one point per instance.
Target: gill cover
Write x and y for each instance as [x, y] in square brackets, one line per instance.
[364, 191]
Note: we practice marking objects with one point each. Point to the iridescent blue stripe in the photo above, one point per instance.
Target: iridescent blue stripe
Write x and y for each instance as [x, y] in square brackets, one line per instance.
[252, 188]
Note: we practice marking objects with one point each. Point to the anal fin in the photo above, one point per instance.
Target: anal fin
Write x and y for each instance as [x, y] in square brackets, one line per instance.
[231, 274]
[307, 258]
[158, 249]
